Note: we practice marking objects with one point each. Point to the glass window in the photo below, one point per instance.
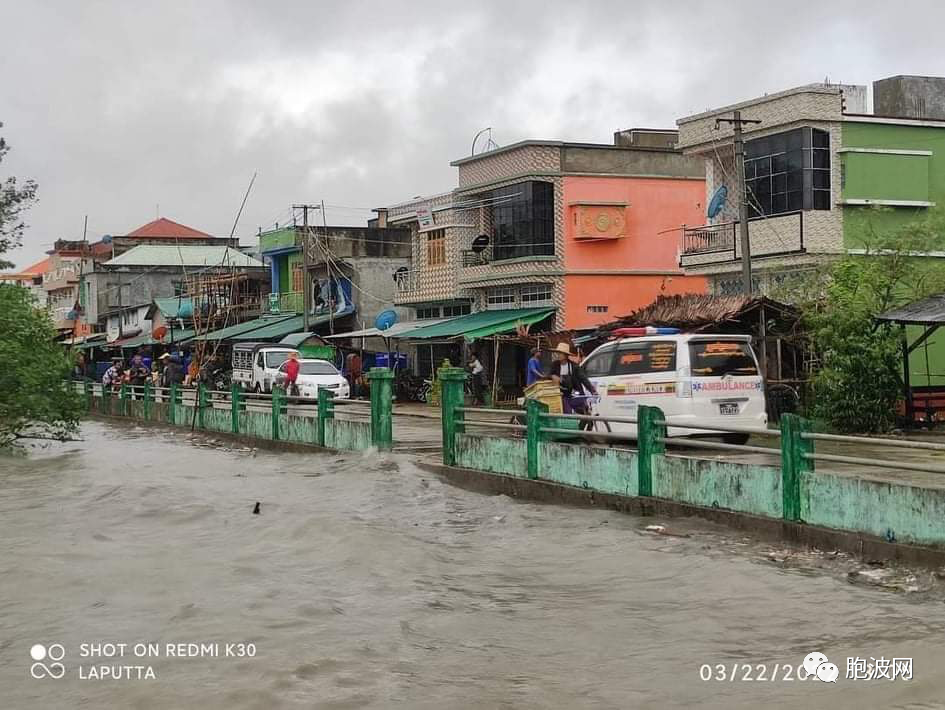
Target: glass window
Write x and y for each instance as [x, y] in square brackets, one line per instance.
[536, 294]
[783, 163]
[717, 358]
[317, 367]
[430, 312]
[461, 309]
[502, 297]
[274, 360]
[600, 363]
[522, 220]
[645, 357]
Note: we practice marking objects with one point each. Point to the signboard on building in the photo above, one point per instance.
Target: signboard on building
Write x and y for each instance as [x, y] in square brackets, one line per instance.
[425, 217]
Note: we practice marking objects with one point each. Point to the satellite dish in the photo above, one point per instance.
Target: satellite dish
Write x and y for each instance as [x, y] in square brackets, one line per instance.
[480, 243]
[159, 332]
[717, 202]
[400, 273]
[385, 319]
[107, 239]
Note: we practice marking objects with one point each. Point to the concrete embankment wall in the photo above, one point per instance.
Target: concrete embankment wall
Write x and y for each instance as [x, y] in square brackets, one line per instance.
[291, 428]
[860, 515]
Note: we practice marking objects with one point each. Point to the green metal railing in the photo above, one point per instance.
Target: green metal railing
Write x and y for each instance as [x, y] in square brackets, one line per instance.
[118, 402]
[794, 450]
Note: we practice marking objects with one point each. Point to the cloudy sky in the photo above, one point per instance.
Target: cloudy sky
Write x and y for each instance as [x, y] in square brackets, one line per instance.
[123, 109]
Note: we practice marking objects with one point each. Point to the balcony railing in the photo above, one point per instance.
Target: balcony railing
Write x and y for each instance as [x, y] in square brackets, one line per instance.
[476, 258]
[406, 281]
[289, 302]
[709, 238]
[503, 252]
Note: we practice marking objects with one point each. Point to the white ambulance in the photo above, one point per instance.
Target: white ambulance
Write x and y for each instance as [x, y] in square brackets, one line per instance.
[692, 377]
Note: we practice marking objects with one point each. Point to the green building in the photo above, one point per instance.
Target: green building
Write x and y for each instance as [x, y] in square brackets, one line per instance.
[818, 164]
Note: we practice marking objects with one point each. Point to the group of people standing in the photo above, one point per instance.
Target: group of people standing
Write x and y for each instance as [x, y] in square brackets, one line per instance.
[164, 371]
[565, 371]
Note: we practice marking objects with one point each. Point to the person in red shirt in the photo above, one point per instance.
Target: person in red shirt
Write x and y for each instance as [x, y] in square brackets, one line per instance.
[292, 374]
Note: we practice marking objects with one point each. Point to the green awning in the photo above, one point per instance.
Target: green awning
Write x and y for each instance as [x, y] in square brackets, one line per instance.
[176, 335]
[272, 330]
[234, 332]
[480, 325]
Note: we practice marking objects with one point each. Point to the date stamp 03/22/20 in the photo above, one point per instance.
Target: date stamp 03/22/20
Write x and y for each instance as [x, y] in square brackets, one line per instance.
[815, 666]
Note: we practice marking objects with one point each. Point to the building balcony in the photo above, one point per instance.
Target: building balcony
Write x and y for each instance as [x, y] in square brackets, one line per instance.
[771, 236]
[505, 253]
[68, 280]
[709, 238]
[288, 302]
[470, 257]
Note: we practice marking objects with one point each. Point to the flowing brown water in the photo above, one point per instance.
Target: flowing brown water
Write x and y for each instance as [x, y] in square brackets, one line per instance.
[366, 582]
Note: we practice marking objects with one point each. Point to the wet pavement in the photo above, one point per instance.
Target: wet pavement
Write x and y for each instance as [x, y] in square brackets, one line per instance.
[365, 582]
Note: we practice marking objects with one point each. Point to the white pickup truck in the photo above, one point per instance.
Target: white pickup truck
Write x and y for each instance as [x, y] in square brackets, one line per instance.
[256, 365]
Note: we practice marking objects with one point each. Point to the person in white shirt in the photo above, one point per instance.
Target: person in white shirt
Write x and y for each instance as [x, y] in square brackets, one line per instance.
[478, 373]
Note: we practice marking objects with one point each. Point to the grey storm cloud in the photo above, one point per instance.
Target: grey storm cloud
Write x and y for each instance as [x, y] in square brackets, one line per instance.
[116, 108]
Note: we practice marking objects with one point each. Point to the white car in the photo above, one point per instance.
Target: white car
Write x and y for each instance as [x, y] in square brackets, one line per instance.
[316, 374]
[692, 377]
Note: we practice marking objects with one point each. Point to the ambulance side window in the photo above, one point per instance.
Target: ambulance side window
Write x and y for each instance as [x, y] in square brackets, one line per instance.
[600, 363]
[645, 357]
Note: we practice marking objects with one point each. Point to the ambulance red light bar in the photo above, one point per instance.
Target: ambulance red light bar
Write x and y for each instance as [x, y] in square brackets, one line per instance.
[646, 330]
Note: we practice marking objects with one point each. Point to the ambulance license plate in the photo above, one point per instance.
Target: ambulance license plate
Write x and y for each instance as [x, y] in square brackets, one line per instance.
[728, 408]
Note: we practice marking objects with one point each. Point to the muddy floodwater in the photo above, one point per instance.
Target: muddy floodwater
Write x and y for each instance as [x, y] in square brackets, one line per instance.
[366, 582]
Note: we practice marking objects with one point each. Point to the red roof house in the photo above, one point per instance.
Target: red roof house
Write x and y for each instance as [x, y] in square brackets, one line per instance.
[164, 228]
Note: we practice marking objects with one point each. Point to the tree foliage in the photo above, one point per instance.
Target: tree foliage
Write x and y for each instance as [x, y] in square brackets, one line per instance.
[35, 396]
[15, 198]
[858, 381]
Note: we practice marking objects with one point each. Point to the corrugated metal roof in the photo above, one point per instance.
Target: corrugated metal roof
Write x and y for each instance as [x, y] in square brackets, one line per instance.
[184, 255]
[283, 328]
[248, 327]
[928, 311]
[394, 331]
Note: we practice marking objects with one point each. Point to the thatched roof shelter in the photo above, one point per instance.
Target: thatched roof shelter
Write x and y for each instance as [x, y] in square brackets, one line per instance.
[693, 312]
[774, 326]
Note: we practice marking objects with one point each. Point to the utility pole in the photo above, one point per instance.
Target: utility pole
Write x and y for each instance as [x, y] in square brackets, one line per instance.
[737, 122]
[306, 275]
[331, 307]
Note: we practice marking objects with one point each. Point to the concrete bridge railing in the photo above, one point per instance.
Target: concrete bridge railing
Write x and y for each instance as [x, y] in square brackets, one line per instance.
[262, 416]
[777, 482]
